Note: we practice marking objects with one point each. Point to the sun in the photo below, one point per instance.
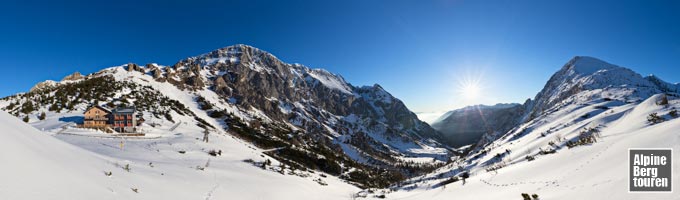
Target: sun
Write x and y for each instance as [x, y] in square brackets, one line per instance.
[469, 87]
[470, 91]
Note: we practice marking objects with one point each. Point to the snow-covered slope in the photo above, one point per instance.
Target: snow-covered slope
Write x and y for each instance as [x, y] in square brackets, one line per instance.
[36, 165]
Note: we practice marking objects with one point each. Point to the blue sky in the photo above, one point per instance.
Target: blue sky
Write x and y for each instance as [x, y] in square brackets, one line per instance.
[419, 51]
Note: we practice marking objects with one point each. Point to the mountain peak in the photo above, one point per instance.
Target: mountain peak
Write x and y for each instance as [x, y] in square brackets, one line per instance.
[588, 65]
[73, 77]
[236, 49]
[43, 85]
[583, 73]
[233, 54]
[240, 47]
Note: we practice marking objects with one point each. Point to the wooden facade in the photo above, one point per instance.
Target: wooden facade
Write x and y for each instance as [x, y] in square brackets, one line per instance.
[96, 117]
[122, 120]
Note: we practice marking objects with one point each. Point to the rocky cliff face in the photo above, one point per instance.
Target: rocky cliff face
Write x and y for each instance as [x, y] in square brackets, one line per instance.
[43, 85]
[73, 77]
[313, 100]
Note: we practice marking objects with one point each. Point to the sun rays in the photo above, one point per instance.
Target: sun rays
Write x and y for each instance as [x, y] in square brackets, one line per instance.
[470, 87]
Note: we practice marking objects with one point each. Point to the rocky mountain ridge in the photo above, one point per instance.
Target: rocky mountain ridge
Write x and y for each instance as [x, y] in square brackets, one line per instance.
[317, 119]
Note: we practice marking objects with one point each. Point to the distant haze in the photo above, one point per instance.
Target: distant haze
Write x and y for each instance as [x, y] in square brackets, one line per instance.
[429, 117]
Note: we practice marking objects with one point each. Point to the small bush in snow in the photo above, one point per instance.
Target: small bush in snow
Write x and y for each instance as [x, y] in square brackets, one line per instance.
[215, 153]
[27, 107]
[108, 173]
[168, 116]
[526, 196]
[547, 151]
[42, 116]
[496, 166]
[127, 167]
[26, 119]
[588, 136]
[135, 190]
[54, 107]
[11, 106]
[654, 118]
[203, 103]
[664, 101]
[320, 182]
[465, 175]
[266, 163]
[529, 158]
[673, 113]
[282, 170]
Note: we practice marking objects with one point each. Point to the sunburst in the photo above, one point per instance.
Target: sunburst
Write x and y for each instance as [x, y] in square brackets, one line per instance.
[469, 87]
